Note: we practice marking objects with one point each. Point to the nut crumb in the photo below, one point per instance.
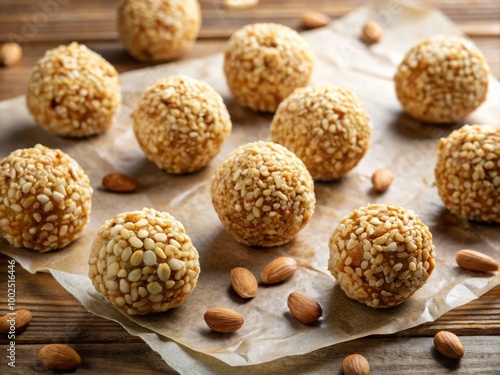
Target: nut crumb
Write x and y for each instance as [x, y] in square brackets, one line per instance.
[119, 183]
[382, 179]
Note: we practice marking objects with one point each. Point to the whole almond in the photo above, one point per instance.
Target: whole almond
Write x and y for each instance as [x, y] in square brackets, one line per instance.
[449, 345]
[304, 308]
[240, 4]
[313, 20]
[221, 319]
[382, 179]
[244, 282]
[371, 32]
[59, 357]
[22, 320]
[355, 364]
[278, 270]
[119, 183]
[10, 54]
[472, 260]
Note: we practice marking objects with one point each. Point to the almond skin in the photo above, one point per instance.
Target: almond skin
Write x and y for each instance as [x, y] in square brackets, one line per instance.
[119, 183]
[244, 282]
[449, 345]
[278, 270]
[304, 308]
[23, 319]
[221, 319]
[59, 357]
[313, 20]
[355, 364]
[382, 179]
[475, 261]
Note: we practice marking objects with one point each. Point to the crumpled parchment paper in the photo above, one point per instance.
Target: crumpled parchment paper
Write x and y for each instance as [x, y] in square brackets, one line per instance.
[404, 145]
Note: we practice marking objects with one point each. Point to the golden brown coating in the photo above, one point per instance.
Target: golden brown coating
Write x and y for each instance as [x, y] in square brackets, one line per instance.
[73, 92]
[158, 30]
[468, 172]
[45, 198]
[381, 254]
[263, 194]
[327, 127]
[442, 79]
[181, 124]
[143, 261]
[264, 63]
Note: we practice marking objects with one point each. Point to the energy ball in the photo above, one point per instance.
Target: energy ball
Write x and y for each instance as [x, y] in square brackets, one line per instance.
[442, 79]
[381, 254]
[45, 199]
[327, 127]
[264, 63]
[73, 92]
[181, 124]
[143, 261]
[158, 30]
[263, 194]
[468, 172]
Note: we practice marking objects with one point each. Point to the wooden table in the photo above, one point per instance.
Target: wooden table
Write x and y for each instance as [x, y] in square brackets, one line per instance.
[106, 347]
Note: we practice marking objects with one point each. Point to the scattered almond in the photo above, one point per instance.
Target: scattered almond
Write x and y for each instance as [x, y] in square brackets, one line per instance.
[355, 364]
[449, 345]
[371, 32]
[240, 4]
[244, 282]
[119, 183]
[475, 261]
[10, 54]
[382, 179]
[306, 309]
[313, 20]
[278, 270]
[59, 357]
[22, 320]
[221, 319]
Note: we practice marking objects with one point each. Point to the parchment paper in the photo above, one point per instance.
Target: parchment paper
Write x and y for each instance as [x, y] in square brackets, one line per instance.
[404, 145]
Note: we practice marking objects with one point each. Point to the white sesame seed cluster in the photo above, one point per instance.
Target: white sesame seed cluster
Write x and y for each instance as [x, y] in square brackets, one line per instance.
[73, 92]
[381, 254]
[45, 198]
[264, 63]
[442, 79]
[263, 194]
[181, 124]
[158, 30]
[143, 261]
[327, 127]
[468, 172]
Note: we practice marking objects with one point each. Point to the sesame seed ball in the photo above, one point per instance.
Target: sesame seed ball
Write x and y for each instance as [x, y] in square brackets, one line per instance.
[181, 124]
[263, 194]
[73, 92]
[158, 30]
[381, 254]
[442, 79]
[468, 172]
[143, 261]
[327, 127]
[264, 63]
[45, 198]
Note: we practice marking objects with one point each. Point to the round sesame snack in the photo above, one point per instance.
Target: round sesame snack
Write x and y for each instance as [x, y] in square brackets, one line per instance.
[263, 194]
[381, 254]
[327, 127]
[158, 30]
[264, 63]
[73, 92]
[45, 198]
[181, 124]
[468, 172]
[442, 79]
[143, 261]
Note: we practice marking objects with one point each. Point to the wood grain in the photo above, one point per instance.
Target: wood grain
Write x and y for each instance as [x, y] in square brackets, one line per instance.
[105, 346]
